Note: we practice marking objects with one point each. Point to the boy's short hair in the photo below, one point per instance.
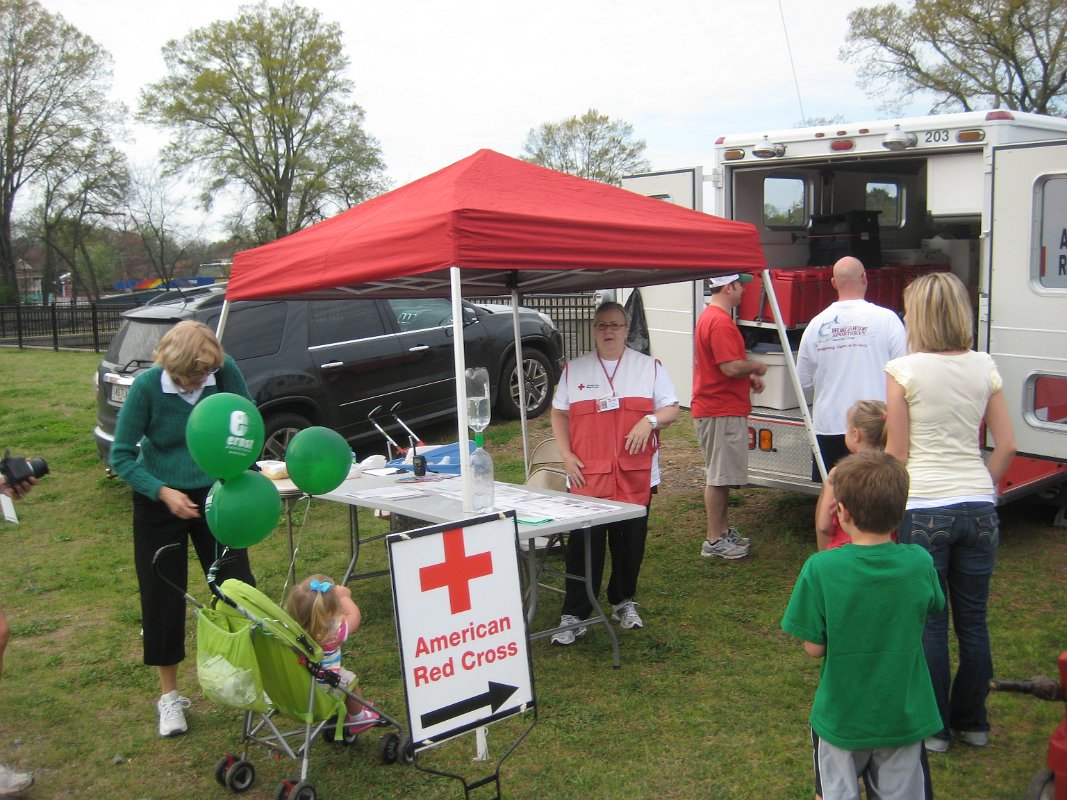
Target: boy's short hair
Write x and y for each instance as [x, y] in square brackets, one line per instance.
[873, 486]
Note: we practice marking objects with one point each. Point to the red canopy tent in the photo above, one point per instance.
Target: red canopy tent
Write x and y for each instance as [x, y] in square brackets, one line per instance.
[490, 225]
[508, 225]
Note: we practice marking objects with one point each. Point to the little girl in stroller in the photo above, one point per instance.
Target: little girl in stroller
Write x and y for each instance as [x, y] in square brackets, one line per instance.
[329, 615]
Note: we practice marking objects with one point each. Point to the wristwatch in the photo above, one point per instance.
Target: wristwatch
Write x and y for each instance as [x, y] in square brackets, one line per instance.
[652, 421]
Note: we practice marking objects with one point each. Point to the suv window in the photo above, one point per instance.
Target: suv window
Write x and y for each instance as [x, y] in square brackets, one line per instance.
[136, 342]
[252, 331]
[420, 313]
[334, 321]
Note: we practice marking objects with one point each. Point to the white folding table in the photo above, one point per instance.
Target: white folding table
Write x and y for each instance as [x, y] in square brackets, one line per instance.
[557, 514]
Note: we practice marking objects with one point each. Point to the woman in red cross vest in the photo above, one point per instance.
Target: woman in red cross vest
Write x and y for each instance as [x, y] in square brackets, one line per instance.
[606, 414]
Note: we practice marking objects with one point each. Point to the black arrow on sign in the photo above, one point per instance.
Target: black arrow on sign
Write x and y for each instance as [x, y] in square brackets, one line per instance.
[495, 697]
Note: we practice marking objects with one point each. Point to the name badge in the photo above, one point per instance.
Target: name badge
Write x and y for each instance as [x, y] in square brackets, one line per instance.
[607, 403]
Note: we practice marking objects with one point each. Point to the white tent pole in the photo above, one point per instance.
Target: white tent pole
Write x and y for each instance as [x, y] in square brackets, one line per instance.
[521, 375]
[791, 366]
[461, 390]
[223, 316]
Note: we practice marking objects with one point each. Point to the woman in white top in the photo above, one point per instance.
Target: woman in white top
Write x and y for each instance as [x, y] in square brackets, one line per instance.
[938, 397]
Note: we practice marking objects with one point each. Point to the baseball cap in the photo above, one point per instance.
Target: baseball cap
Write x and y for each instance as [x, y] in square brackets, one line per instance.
[726, 280]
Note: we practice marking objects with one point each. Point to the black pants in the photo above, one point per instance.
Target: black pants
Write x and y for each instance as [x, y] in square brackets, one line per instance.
[627, 542]
[832, 447]
[162, 608]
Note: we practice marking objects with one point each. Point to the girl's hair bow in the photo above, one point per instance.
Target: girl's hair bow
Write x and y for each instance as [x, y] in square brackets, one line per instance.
[320, 587]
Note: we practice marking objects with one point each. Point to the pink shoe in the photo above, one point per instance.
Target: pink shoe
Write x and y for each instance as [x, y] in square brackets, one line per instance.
[355, 724]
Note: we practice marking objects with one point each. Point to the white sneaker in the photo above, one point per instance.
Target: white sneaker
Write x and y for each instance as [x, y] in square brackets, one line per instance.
[171, 707]
[13, 782]
[731, 534]
[571, 636]
[626, 615]
[723, 548]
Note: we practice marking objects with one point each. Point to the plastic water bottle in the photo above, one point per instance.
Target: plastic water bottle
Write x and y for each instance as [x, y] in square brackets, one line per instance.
[478, 413]
[477, 398]
[482, 477]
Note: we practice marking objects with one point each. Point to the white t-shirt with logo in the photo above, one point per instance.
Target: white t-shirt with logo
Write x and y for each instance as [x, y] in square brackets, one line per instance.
[843, 352]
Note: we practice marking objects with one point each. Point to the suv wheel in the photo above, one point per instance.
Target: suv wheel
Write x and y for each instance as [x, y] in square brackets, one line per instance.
[279, 430]
[537, 374]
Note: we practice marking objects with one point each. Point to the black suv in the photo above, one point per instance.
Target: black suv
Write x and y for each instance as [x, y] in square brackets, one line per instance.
[332, 362]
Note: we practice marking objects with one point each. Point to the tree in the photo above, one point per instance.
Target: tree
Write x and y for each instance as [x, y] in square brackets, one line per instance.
[80, 189]
[261, 103]
[967, 53]
[154, 207]
[54, 80]
[591, 146]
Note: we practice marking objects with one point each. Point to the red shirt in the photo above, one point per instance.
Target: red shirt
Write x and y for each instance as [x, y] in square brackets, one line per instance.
[716, 341]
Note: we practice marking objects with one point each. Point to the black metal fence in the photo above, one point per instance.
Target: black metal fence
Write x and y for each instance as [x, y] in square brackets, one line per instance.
[572, 313]
[90, 326]
[60, 326]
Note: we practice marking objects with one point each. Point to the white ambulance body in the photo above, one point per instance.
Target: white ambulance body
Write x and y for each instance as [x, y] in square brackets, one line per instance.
[981, 193]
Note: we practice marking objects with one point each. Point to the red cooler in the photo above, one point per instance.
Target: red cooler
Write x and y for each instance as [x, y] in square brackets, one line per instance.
[751, 308]
[798, 294]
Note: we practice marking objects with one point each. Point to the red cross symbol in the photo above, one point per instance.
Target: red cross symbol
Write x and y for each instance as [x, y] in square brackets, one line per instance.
[581, 386]
[456, 571]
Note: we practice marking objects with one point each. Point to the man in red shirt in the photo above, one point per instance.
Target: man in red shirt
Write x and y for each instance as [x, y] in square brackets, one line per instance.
[722, 379]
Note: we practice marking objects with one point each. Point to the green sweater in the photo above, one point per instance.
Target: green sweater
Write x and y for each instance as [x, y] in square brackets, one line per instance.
[156, 421]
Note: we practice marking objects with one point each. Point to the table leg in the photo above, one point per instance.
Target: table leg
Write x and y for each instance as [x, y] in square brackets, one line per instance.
[532, 573]
[598, 611]
[353, 543]
[289, 530]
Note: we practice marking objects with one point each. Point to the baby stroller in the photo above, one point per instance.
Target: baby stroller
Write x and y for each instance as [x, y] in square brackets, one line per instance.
[253, 656]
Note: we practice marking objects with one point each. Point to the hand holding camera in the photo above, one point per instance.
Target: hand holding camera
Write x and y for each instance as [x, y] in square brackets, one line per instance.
[18, 474]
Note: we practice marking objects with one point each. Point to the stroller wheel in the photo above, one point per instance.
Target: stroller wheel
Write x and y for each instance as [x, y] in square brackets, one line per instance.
[303, 791]
[240, 776]
[221, 767]
[1042, 786]
[393, 747]
[389, 748]
[283, 789]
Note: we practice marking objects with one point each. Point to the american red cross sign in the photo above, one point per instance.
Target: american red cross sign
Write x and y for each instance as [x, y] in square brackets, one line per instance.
[462, 628]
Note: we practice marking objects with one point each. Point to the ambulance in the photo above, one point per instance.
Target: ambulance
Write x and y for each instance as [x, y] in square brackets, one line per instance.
[983, 194]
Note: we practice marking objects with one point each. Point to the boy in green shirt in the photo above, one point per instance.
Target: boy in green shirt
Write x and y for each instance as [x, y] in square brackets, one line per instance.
[862, 608]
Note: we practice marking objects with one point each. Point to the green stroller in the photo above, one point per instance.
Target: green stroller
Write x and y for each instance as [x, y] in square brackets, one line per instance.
[253, 656]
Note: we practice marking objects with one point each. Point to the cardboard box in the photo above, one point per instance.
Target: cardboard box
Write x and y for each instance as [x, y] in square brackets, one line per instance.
[778, 392]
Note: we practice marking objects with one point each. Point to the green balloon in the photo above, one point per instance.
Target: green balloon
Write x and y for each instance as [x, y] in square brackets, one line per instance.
[318, 460]
[224, 434]
[243, 510]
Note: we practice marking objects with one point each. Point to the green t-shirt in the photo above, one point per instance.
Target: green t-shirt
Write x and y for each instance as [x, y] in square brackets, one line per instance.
[868, 605]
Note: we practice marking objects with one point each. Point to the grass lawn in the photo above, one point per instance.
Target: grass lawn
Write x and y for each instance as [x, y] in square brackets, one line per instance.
[711, 700]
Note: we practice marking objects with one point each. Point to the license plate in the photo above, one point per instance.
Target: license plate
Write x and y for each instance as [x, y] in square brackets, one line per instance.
[118, 393]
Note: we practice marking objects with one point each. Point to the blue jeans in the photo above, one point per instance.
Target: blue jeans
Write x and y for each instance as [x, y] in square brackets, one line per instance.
[963, 541]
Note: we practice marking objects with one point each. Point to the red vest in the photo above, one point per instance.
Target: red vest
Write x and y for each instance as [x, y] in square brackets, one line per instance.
[598, 438]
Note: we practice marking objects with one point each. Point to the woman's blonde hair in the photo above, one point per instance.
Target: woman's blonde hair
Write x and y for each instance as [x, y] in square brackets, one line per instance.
[189, 347]
[868, 417]
[937, 314]
[312, 609]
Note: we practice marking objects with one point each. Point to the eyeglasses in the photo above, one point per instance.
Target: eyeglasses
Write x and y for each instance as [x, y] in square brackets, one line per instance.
[610, 326]
[200, 375]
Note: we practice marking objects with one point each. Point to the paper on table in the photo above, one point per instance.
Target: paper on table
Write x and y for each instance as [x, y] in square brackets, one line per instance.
[382, 471]
[387, 493]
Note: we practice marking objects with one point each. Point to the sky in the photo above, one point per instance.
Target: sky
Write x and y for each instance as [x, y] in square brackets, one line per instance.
[440, 80]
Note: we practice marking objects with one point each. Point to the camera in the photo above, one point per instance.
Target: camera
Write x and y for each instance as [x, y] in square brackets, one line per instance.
[17, 469]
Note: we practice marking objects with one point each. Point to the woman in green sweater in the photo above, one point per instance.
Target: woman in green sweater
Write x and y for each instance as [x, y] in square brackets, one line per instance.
[169, 490]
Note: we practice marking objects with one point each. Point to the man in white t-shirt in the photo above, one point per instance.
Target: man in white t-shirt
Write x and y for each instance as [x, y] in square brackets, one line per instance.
[842, 355]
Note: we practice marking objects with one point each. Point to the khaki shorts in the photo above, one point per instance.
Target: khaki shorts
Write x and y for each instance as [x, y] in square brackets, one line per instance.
[724, 442]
